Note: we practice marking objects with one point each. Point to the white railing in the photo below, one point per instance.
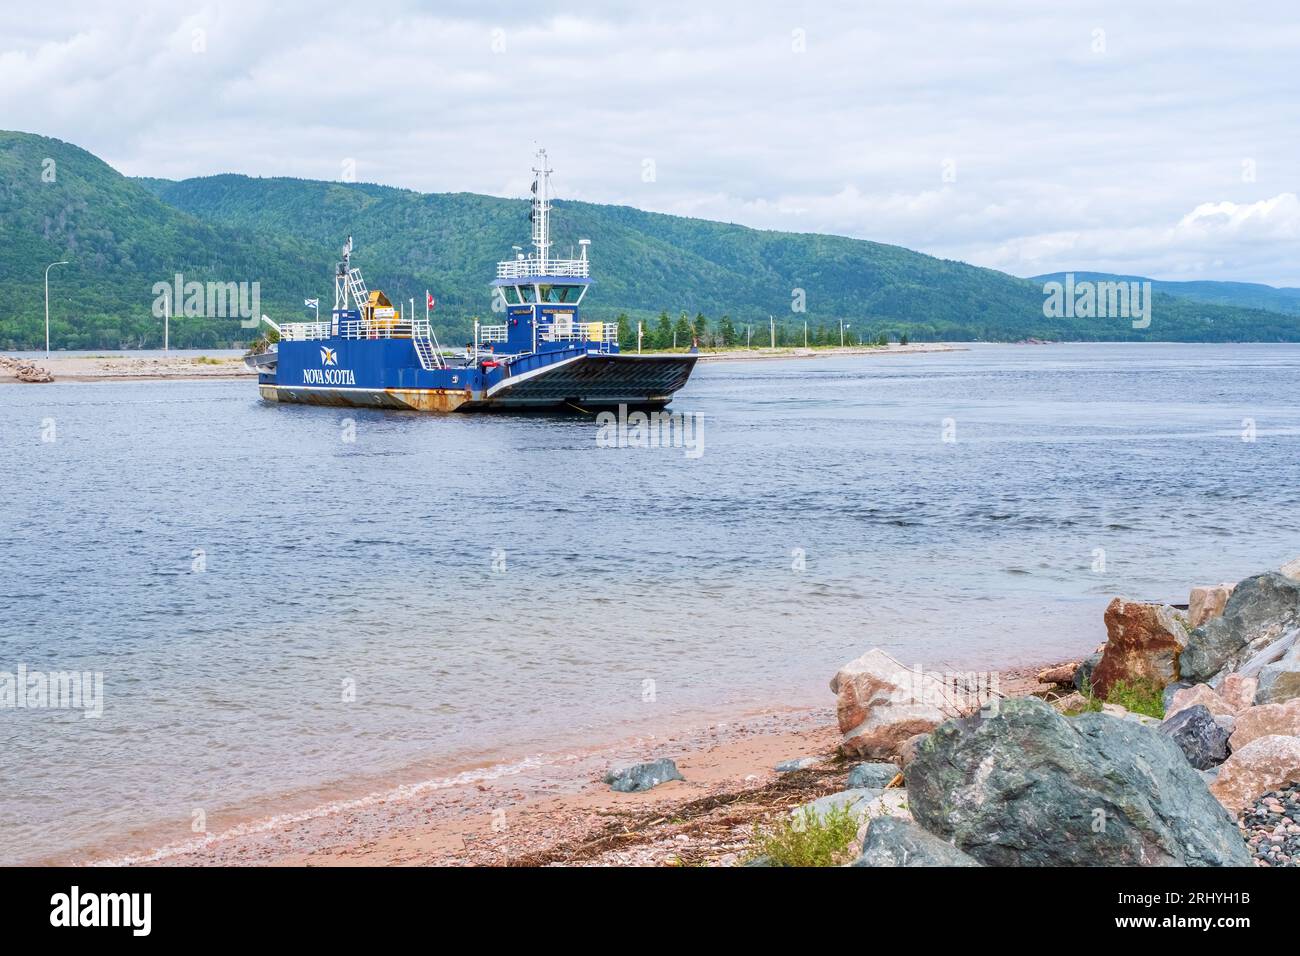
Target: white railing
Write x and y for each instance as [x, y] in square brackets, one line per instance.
[492, 333]
[604, 332]
[533, 267]
[304, 331]
[374, 329]
[348, 329]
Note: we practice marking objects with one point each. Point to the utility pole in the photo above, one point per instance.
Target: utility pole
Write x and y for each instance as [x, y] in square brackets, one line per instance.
[749, 336]
[638, 337]
[47, 302]
[772, 322]
[805, 333]
[167, 322]
[841, 331]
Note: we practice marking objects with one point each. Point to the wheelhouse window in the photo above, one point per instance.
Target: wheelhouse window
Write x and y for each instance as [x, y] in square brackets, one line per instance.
[560, 294]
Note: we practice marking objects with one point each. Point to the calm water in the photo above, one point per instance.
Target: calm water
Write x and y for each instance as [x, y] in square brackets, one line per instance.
[330, 565]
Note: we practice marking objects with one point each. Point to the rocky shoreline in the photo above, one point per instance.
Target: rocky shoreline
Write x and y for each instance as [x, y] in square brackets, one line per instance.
[111, 368]
[21, 370]
[1177, 743]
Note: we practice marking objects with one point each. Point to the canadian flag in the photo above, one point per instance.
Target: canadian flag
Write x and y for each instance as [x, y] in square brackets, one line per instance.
[429, 297]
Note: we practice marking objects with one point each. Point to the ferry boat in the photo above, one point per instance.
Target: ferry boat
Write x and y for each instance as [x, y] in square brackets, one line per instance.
[543, 356]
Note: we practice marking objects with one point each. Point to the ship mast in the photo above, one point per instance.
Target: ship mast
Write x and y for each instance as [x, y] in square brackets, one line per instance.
[541, 215]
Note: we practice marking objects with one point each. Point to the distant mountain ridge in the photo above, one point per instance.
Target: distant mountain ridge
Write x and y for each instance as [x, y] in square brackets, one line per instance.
[1248, 295]
[124, 235]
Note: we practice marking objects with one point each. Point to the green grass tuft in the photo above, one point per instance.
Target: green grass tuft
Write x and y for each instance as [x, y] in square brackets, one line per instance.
[808, 839]
[1140, 697]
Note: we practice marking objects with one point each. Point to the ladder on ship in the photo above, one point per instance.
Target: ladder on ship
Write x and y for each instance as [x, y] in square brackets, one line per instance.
[426, 345]
[360, 295]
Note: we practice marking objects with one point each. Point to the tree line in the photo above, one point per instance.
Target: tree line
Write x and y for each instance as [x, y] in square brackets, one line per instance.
[666, 333]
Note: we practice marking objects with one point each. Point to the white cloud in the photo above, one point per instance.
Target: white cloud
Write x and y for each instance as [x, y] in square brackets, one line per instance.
[1130, 158]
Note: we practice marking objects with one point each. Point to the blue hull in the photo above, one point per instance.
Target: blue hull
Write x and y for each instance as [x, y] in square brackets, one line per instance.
[386, 373]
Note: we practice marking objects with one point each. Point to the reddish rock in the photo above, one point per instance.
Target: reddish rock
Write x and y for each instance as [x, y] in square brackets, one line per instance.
[1207, 603]
[1143, 644]
[1264, 764]
[882, 703]
[1266, 720]
[1199, 694]
[1238, 692]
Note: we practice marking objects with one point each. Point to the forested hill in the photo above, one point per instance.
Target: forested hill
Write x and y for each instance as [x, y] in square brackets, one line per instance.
[124, 235]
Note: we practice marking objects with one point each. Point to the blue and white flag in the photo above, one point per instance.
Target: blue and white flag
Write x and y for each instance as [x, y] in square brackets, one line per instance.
[311, 303]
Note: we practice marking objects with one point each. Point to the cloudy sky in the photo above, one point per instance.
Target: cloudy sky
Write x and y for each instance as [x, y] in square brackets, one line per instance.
[1029, 137]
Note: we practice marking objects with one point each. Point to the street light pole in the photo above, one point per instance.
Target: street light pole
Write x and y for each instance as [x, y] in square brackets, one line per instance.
[62, 262]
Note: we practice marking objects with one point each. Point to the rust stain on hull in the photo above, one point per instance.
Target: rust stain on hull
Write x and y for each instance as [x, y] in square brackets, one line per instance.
[413, 399]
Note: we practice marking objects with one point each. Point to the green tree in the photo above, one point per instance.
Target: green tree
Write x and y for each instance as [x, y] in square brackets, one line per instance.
[701, 329]
[626, 334]
[726, 332]
[663, 336]
[682, 332]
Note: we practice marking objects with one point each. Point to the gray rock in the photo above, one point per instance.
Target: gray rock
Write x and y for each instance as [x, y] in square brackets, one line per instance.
[872, 775]
[1260, 610]
[1279, 681]
[1032, 788]
[1083, 676]
[894, 842]
[856, 800]
[1198, 735]
[1167, 695]
[1209, 775]
[1227, 723]
[799, 763]
[643, 776]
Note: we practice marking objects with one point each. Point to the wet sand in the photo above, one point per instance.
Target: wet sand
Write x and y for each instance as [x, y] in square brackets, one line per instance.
[559, 812]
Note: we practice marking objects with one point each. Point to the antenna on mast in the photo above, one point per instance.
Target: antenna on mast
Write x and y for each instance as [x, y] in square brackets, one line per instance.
[541, 215]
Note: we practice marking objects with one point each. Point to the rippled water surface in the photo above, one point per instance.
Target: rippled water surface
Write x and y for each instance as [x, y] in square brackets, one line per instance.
[333, 565]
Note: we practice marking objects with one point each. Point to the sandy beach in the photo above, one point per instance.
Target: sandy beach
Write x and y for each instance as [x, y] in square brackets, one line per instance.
[561, 812]
[126, 367]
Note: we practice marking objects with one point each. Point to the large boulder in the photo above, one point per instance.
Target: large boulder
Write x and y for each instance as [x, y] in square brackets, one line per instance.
[1030, 787]
[1143, 644]
[1264, 764]
[1198, 736]
[1265, 720]
[1206, 603]
[893, 842]
[882, 703]
[1259, 611]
